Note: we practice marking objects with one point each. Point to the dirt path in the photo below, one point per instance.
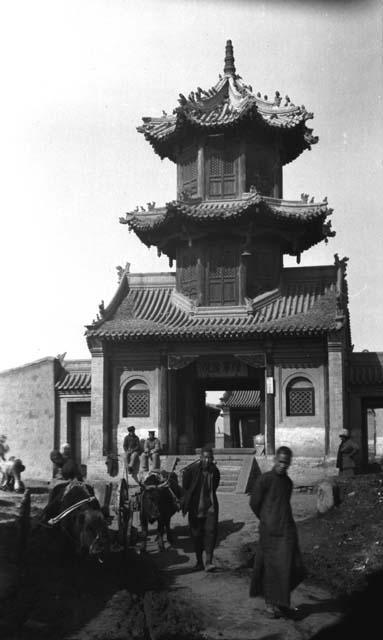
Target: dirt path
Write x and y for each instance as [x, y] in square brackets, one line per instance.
[222, 598]
[194, 605]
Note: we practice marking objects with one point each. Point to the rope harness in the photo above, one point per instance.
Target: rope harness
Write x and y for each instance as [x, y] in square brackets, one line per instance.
[73, 507]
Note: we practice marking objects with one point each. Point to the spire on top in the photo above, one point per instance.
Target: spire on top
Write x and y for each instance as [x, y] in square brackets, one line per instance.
[229, 59]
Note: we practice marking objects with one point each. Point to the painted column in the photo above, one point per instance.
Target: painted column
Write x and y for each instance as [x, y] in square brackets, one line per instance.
[98, 405]
[242, 280]
[201, 171]
[242, 169]
[335, 390]
[270, 407]
[163, 404]
[172, 418]
[227, 427]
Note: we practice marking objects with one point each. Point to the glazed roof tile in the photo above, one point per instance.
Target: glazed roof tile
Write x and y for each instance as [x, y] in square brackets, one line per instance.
[295, 210]
[227, 103]
[309, 218]
[75, 381]
[242, 399]
[305, 304]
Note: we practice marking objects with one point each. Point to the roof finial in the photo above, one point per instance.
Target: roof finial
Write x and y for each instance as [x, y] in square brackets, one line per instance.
[229, 59]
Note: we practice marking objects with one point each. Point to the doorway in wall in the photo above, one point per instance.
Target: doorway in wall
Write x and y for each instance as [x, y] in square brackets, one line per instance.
[233, 414]
[372, 430]
[79, 430]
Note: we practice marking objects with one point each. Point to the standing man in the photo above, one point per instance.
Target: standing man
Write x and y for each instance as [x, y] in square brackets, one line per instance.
[151, 452]
[347, 454]
[200, 482]
[131, 446]
[278, 567]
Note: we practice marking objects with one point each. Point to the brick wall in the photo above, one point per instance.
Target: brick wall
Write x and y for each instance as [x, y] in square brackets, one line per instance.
[27, 414]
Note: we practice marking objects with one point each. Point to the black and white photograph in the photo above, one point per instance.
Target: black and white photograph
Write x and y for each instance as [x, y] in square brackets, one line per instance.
[191, 334]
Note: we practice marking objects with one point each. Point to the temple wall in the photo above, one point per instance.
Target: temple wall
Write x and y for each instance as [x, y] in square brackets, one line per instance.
[124, 370]
[305, 435]
[27, 415]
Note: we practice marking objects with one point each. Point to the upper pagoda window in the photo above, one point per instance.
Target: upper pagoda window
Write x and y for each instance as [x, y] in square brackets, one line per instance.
[221, 168]
[187, 167]
[221, 284]
[187, 272]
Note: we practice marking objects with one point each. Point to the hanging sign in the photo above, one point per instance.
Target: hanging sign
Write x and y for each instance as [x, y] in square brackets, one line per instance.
[221, 369]
[269, 385]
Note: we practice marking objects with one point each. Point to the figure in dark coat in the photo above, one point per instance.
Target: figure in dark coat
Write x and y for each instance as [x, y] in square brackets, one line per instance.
[200, 482]
[132, 448]
[347, 454]
[278, 567]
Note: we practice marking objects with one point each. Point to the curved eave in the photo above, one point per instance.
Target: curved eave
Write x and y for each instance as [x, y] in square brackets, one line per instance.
[209, 334]
[109, 311]
[165, 133]
[309, 220]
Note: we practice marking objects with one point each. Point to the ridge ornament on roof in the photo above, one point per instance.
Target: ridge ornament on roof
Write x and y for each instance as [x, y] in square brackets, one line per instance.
[225, 105]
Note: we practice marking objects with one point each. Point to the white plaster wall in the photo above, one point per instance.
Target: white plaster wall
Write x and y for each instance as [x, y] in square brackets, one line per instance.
[144, 424]
[304, 434]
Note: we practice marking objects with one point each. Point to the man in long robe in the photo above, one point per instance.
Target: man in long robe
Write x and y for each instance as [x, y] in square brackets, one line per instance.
[278, 567]
[347, 455]
[200, 482]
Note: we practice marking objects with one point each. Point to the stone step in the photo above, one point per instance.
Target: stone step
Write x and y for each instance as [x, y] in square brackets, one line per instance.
[225, 489]
[229, 473]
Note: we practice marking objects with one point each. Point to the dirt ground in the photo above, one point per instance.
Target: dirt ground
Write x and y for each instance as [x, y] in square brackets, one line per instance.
[159, 596]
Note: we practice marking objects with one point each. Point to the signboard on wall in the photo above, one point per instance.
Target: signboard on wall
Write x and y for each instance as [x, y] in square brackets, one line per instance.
[230, 368]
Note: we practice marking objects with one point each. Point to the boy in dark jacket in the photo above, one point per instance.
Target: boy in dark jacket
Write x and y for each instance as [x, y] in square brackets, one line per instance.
[200, 482]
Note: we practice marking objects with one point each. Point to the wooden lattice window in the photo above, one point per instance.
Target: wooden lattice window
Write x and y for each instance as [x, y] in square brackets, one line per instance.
[221, 169]
[222, 276]
[188, 169]
[300, 398]
[136, 400]
[188, 274]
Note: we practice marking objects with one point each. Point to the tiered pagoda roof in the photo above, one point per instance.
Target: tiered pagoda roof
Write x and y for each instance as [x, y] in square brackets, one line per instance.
[305, 220]
[147, 306]
[229, 104]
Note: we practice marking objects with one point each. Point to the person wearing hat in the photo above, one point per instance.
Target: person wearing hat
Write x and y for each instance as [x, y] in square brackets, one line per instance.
[200, 482]
[132, 448]
[278, 567]
[347, 454]
[151, 452]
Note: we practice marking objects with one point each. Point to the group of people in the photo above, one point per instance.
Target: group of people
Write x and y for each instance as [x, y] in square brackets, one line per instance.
[278, 566]
[135, 455]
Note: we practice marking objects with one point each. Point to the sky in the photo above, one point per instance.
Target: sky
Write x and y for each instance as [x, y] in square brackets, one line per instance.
[78, 75]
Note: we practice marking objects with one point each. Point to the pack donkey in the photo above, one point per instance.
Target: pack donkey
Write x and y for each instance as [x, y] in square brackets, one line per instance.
[159, 501]
[75, 509]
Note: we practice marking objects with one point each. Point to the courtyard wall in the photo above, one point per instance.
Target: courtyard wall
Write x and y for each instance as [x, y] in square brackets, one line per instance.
[27, 414]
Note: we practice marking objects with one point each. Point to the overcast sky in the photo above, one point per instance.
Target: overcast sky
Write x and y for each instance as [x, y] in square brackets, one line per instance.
[78, 75]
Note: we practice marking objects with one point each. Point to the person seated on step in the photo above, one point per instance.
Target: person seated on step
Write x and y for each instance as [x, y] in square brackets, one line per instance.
[151, 454]
[132, 449]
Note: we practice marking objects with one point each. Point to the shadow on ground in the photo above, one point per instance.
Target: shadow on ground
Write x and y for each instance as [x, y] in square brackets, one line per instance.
[362, 612]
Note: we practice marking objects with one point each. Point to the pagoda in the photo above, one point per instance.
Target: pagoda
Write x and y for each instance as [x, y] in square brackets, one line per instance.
[230, 316]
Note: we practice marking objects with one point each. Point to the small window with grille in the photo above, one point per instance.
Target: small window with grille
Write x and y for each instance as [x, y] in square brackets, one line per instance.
[136, 400]
[300, 398]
